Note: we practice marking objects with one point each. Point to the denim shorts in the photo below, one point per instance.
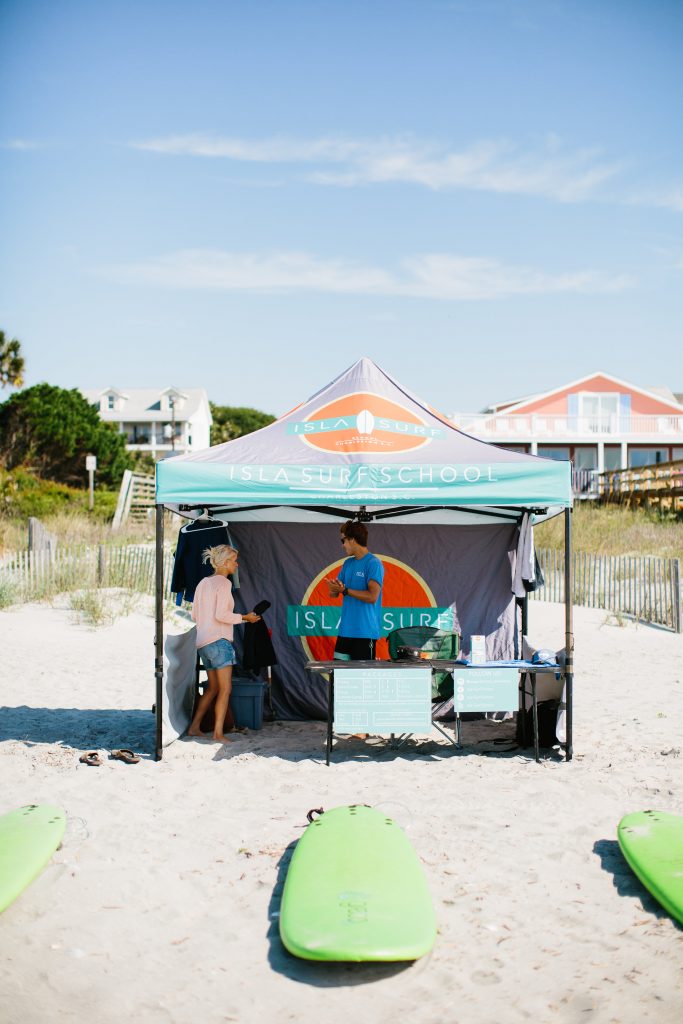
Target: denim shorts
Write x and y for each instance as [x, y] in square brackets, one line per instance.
[218, 654]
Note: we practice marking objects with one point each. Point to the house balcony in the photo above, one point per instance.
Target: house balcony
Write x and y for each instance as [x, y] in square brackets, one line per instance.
[157, 446]
[527, 428]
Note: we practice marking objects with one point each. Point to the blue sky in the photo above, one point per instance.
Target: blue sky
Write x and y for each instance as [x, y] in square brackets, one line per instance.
[483, 196]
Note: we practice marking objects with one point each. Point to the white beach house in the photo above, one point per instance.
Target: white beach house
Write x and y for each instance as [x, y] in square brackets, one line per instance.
[162, 423]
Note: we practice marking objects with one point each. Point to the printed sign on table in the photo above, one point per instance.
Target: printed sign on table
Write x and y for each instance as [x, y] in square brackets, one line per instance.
[383, 701]
[485, 689]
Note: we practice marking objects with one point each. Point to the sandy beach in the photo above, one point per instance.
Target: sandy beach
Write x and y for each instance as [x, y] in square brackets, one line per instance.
[162, 903]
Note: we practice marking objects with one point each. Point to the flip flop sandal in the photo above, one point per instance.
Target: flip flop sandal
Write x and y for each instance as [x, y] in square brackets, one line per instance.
[92, 758]
[127, 756]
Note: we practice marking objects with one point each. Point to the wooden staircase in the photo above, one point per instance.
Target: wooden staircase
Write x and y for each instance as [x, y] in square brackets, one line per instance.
[136, 499]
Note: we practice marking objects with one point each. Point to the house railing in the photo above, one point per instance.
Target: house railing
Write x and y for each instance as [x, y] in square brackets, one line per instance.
[645, 588]
[537, 427]
[585, 483]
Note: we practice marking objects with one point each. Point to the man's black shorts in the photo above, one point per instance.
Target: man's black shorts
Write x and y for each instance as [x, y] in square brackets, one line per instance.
[355, 648]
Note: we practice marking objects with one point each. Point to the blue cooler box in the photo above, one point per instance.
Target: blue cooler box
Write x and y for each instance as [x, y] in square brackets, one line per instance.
[246, 702]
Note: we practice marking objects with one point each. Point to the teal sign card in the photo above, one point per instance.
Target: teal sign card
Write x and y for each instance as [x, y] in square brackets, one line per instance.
[383, 701]
[485, 689]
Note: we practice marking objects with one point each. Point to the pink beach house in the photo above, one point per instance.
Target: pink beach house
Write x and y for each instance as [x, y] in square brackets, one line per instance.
[599, 422]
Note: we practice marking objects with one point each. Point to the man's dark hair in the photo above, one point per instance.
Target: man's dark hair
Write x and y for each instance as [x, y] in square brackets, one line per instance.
[355, 531]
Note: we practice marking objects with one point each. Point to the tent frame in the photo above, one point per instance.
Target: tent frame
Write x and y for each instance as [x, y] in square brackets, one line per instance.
[364, 515]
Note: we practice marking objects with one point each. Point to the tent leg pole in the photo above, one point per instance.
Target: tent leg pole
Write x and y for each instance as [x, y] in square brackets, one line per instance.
[159, 630]
[569, 631]
[330, 717]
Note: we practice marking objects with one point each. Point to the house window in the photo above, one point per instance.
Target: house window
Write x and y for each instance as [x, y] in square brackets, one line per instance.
[111, 402]
[647, 456]
[559, 452]
[613, 456]
[585, 457]
[599, 410]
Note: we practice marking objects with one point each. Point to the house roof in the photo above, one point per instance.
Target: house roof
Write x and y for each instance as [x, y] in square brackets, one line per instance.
[662, 394]
[665, 393]
[143, 405]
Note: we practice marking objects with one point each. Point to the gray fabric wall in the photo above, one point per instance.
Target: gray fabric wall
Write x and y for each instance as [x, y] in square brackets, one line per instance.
[469, 567]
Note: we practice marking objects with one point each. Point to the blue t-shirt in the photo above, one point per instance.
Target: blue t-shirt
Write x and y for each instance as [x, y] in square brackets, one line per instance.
[358, 618]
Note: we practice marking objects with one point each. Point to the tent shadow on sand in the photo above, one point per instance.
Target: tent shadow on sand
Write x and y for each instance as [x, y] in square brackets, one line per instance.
[315, 972]
[82, 729]
[625, 880]
[480, 738]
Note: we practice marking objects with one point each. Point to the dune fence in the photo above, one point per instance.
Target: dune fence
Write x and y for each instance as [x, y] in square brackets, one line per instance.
[37, 575]
[645, 588]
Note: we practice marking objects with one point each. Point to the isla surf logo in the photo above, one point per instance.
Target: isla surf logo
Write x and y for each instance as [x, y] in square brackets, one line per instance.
[364, 422]
[407, 600]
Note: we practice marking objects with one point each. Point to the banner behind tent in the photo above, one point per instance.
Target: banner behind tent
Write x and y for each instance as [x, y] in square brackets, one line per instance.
[437, 575]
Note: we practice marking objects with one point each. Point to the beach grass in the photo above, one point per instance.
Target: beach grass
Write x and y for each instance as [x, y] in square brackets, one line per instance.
[613, 530]
[74, 527]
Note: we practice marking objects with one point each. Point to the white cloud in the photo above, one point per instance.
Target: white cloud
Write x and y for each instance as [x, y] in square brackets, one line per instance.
[487, 165]
[668, 198]
[21, 145]
[278, 149]
[432, 276]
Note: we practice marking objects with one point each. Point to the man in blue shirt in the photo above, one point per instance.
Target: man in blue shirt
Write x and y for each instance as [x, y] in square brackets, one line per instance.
[359, 584]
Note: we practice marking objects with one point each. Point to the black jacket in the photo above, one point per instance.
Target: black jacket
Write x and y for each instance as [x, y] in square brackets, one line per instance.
[258, 651]
[188, 569]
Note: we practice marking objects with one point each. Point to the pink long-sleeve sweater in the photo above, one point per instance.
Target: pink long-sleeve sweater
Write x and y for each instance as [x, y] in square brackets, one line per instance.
[213, 610]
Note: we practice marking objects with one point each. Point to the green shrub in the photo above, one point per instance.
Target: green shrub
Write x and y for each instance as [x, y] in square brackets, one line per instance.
[23, 494]
[52, 430]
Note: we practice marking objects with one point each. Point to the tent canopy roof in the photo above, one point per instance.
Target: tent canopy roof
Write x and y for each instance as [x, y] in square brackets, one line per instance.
[363, 441]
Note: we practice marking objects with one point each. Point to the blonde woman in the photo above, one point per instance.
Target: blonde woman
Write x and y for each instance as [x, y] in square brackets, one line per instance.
[214, 612]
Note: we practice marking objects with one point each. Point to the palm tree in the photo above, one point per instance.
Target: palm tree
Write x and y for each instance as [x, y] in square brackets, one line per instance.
[11, 362]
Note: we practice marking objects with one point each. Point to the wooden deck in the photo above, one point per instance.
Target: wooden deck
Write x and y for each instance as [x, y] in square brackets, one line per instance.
[659, 486]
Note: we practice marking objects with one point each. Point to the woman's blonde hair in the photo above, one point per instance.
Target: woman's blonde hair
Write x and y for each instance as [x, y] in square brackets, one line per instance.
[219, 555]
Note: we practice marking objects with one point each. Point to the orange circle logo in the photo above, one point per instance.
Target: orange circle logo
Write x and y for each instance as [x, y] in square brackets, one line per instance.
[365, 422]
[402, 588]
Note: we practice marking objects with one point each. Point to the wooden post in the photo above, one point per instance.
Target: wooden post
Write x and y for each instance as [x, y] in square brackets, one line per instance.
[569, 631]
[159, 632]
[676, 588]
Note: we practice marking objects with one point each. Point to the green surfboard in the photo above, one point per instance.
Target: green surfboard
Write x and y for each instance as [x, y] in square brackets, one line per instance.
[652, 843]
[28, 838]
[355, 890]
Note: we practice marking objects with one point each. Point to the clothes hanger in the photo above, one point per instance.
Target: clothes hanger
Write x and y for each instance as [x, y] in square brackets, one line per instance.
[205, 517]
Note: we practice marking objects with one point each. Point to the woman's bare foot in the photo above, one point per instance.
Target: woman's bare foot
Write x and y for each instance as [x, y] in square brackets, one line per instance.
[196, 731]
[221, 738]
